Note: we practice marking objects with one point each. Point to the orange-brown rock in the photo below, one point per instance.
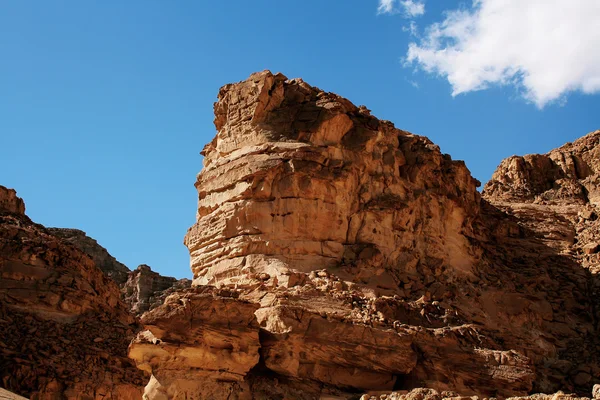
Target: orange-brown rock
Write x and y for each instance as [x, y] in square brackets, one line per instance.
[201, 343]
[63, 330]
[146, 289]
[371, 261]
[141, 289]
[300, 179]
[10, 202]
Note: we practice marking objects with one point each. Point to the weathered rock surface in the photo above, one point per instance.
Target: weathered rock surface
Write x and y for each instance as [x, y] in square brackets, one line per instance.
[114, 269]
[370, 261]
[141, 289]
[299, 179]
[63, 330]
[10, 202]
[557, 195]
[146, 289]
[430, 394]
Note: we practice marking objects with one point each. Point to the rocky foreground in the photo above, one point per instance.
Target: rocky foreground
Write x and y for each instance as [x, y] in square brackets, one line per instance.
[334, 256]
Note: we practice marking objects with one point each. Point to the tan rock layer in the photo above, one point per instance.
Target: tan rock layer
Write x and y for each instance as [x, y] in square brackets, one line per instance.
[300, 179]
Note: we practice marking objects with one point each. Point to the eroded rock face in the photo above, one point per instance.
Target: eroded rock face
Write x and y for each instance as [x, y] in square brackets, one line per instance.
[565, 176]
[146, 289]
[300, 179]
[200, 344]
[557, 196]
[371, 261]
[10, 202]
[63, 330]
[114, 269]
[141, 289]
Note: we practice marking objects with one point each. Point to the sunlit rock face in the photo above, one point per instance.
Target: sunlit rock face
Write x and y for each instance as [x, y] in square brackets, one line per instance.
[300, 179]
[335, 255]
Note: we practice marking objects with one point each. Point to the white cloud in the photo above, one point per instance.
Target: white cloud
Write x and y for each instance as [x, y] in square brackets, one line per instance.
[413, 8]
[547, 48]
[412, 29]
[409, 8]
[385, 6]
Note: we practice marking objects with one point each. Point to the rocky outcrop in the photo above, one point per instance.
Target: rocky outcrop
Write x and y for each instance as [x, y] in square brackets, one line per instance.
[141, 289]
[117, 271]
[565, 176]
[370, 261]
[10, 202]
[556, 195]
[201, 342]
[299, 179]
[430, 394]
[63, 330]
[146, 289]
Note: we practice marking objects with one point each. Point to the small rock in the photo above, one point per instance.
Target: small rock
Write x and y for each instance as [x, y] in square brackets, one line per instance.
[591, 248]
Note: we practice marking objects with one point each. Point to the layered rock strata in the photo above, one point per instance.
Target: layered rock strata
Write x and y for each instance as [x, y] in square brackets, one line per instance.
[299, 179]
[63, 330]
[370, 261]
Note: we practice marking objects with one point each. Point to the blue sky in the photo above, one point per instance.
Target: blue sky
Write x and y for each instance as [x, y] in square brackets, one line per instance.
[106, 105]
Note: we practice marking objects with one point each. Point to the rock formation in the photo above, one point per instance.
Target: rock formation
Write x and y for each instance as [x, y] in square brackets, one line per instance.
[334, 255]
[146, 289]
[115, 270]
[63, 330]
[10, 202]
[141, 289]
[557, 195]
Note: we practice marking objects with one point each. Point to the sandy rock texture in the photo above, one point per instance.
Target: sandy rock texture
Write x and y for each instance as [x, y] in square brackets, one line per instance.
[557, 195]
[63, 330]
[297, 179]
[371, 263]
[141, 289]
[146, 289]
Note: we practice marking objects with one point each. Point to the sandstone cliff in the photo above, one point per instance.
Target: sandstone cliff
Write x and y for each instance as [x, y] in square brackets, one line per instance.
[63, 330]
[334, 254]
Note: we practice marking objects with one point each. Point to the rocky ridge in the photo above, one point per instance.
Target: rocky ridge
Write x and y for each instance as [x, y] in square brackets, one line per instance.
[141, 289]
[334, 255]
[64, 331]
